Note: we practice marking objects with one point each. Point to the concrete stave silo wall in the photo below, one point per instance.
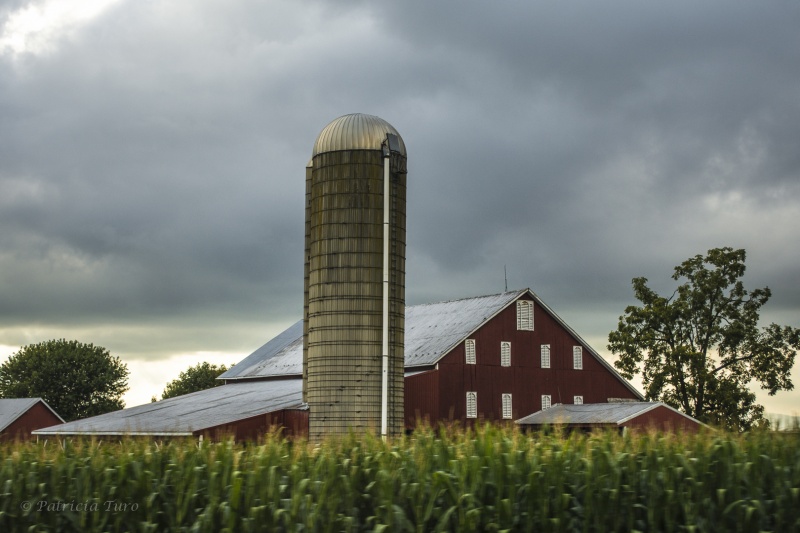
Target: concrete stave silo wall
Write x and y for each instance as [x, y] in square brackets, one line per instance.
[344, 292]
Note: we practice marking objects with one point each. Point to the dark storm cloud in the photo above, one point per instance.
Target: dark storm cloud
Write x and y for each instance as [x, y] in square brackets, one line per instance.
[152, 162]
[620, 121]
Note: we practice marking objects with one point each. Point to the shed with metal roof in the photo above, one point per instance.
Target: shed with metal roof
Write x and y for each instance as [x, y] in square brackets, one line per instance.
[616, 415]
[20, 416]
[243, 410]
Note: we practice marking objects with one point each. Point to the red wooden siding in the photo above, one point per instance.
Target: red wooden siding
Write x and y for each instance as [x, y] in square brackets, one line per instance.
[422, 398]
[37, 417]
[293, 422]
[525, 380]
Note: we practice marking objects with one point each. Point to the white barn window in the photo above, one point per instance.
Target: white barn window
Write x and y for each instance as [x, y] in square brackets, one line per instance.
[577, 357]
[545, 401]
[577, 400]
[505, 354]
[469, 349]
[525, 315]
[545, 356]
[506, 405]
[472, 405]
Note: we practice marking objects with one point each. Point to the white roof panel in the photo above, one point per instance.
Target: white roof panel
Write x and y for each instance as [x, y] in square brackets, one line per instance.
[282, 356]
[431, 331]
[589, 413]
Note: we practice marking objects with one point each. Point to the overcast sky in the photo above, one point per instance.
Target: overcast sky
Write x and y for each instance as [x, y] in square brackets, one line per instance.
[152, 158]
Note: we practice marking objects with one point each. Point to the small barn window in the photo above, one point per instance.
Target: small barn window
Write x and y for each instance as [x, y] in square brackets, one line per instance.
[577, 357]
[545, 356]
[525, 315]
[545, 401]
[472, 405]
[469, 348]
[577, 400]
[505, 354]
[506, 405]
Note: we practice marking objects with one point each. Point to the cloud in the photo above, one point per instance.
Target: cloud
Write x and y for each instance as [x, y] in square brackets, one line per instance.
[37, 27]
[152, 155]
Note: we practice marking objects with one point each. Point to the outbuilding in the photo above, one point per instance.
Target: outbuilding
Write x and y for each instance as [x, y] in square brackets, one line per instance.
[617, 416]
[20, 416]
[242, 411]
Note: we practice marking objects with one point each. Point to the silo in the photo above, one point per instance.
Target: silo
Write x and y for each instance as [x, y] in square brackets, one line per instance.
[354, 289]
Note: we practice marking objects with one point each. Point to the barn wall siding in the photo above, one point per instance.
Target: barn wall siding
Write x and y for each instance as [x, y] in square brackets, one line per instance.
[525, 380]
[292, 421]
[422, 398]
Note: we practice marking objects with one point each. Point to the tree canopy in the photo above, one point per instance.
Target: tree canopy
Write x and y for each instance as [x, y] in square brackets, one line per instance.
[196, 378]
[77, 380]
[699, 348]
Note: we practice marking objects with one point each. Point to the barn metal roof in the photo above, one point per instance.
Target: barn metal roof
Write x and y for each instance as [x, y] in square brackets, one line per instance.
[431, 331]
[13, 408]
[185, 414]
[593, 413]
[282, 356]
[355, 132]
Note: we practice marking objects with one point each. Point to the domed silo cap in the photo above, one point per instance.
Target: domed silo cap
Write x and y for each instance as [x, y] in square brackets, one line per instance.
[355, 132]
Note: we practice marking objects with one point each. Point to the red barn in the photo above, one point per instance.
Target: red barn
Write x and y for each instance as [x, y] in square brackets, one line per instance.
[493, 357]
[20, 416]
[499, 357]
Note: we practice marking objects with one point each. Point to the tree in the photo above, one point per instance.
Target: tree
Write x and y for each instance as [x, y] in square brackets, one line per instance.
[77, 380]
[196, 378]
[698, 349]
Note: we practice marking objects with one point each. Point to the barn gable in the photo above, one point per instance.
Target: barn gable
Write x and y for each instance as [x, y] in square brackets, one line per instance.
[20, 416]
[519, 359]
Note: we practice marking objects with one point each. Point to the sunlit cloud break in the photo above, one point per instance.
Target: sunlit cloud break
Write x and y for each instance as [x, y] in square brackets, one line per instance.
[37, 27]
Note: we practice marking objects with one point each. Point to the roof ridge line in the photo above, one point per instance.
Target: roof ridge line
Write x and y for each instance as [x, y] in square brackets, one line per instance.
[518, 291]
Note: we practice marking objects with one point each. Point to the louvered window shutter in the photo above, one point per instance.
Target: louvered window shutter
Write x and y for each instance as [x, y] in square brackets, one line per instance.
[469, 349]
[506, 406]
[505, 354]
[472, 405]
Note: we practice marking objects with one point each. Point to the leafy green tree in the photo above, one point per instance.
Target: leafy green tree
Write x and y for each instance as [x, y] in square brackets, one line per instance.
[698, 349]
[196, 378]
[77, 380]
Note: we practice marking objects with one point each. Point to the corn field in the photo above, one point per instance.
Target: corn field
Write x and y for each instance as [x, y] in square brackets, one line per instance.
[490, 479]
